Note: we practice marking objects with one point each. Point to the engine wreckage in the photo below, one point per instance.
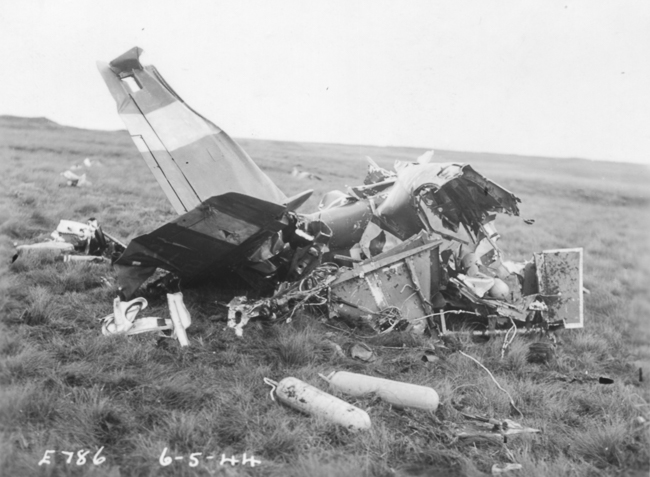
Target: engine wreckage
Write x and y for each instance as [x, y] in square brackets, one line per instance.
[415, 248]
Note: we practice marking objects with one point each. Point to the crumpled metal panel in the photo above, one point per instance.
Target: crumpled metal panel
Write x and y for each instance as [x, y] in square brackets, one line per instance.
[405, 277]
[454, 192]
[347, 222]
[559, 278]
[221, 232]
[191, 158]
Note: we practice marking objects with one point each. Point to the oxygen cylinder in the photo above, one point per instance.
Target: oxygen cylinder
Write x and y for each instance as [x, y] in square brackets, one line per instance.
[397, 393]
[306, 398]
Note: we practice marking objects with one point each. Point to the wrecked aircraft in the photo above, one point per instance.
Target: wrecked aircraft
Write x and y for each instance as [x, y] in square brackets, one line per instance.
[415, 248]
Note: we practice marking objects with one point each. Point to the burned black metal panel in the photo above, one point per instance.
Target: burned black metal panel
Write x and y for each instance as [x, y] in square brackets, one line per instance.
[220, 232]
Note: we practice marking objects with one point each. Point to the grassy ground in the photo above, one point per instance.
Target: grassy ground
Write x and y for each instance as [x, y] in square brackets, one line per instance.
[65, 387]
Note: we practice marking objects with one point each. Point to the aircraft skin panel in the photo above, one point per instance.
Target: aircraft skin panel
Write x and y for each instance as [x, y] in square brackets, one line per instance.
[197, 160]
[178, 249]
[157, 171]
[201, 156]
[153, 95]
[177, 126]
[221, 231]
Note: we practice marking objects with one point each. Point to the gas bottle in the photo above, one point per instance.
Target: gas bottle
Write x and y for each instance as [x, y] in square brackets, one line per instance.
[306, 398]
[397, 393]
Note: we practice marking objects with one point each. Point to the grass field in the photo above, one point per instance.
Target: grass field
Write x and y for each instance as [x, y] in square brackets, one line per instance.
[65, 387]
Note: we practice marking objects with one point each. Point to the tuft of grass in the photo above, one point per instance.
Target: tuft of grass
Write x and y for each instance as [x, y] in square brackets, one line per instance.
[297, 348]
[26, 405]
[39, 310]
[604, 445]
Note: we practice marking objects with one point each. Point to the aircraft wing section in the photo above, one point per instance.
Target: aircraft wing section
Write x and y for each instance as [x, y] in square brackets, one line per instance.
[220, 232]
[191, 158]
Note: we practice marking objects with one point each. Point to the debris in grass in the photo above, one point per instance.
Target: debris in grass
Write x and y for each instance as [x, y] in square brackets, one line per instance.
[540, 352]
[84, 258]
[313, 290]
[124, 319]
[78, 242]
[240, 311]
[308, 399]
[90, 163]
[503, 468]
[123, 316]
[363, 352]
[492, 428]
[74, 180]
[430, 356]
[336, 348]
[55, 246]
[298, 174]
[580, 378]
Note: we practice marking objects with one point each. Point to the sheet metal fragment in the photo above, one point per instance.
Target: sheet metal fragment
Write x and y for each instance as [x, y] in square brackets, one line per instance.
[386, 281]
[493, 428]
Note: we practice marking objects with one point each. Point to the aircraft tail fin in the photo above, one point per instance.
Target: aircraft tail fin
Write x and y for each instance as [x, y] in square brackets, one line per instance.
[191, 158]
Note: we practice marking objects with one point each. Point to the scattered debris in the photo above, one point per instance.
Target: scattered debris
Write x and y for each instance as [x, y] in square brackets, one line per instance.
[304, 175]
[240, 311]
[312, 290]
[363, 352]
[123, 316]
[78, 242]
[90, 163]
[73, 180]
[430, 356]
[52, 245]
[84, 258]
[540, 352]
[150, 324]
[124, 319]
[503, 468]
[311, 400]
[336, 348]
[493, 428]
[396, 393]
[580, 378]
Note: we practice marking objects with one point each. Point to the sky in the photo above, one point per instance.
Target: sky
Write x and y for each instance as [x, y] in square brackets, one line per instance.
[550, 78]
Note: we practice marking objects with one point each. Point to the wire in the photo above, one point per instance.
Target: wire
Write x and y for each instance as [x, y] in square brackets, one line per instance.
[512, 402]
[507, 342]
